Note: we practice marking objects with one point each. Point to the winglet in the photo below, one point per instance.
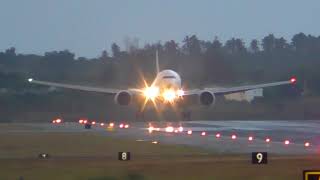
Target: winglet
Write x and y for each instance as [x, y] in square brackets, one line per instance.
[157, 62]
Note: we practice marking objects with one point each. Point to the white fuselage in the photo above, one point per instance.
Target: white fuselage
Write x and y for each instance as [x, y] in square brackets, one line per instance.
[167, 79]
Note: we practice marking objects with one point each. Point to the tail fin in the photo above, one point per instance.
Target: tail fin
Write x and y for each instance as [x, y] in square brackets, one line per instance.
[157, 62]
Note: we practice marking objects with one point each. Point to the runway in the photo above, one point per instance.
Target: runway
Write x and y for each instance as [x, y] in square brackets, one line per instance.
[297, 133]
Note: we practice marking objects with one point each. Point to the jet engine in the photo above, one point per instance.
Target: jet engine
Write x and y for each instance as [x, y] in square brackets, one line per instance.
[123, 98]
[207, 98]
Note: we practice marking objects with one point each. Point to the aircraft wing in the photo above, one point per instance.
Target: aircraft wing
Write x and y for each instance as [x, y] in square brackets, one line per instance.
[83, 88]
[230, 90]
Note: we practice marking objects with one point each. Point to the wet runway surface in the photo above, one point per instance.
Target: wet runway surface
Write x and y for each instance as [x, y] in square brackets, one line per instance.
[296, 133]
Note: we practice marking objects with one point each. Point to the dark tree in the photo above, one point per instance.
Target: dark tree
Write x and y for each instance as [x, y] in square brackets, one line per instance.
[254, 46]
[104, 56]
[268, 43]
[115, 50]
[191, 45]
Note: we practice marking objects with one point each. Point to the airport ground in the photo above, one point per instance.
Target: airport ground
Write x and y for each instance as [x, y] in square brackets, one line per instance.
[92, 154]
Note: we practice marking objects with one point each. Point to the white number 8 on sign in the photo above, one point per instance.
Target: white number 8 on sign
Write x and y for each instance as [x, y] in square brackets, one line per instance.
[124, 156]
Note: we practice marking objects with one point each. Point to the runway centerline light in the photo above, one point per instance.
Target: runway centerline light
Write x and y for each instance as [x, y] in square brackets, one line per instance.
[189, 132]
[150, 129]
[233, 136]
[111, 125]
[286, 142]
[218, 135]
[306, 144]
[169, 129]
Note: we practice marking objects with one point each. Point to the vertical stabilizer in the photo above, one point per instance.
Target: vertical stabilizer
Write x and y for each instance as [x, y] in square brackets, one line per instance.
[157, 62]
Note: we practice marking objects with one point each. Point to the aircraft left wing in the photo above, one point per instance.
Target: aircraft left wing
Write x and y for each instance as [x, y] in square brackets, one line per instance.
[230, 90]
[82, 88]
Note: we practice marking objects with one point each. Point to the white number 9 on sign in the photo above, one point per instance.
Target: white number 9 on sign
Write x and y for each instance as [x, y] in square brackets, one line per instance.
[124, 156]
[259, 157]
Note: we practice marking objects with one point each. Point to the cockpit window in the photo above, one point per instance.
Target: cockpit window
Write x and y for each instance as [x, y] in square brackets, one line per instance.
[168, 77]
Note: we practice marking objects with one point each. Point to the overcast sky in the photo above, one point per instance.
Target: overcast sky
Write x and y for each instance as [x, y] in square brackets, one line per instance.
[86, 27]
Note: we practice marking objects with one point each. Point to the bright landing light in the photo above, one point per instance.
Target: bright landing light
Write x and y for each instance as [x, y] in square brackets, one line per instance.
[151, 92]
[30, 79]
[169, 95]
[180, 93]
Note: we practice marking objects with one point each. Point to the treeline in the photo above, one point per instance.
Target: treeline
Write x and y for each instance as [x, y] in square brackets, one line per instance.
[200, 63]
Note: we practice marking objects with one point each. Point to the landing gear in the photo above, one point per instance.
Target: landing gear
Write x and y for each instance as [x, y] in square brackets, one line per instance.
[87, 126]
[186, 115]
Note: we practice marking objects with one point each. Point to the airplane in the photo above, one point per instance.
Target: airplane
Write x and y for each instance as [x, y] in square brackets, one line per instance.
[166, 88]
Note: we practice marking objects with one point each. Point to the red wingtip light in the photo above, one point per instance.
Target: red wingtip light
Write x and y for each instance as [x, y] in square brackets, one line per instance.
[293, 80]
[203, 133]
[233, 136]
[189, 132]
[307, 144]
[268, 140]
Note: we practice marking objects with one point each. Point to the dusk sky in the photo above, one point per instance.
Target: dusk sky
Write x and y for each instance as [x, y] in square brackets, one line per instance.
[86, 27]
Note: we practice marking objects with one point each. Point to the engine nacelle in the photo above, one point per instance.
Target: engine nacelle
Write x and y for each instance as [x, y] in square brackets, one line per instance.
[207, 98]
[123, 98]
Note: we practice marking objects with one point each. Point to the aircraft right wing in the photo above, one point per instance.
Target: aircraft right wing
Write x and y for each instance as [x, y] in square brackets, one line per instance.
[83, 88]
[230, 90]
